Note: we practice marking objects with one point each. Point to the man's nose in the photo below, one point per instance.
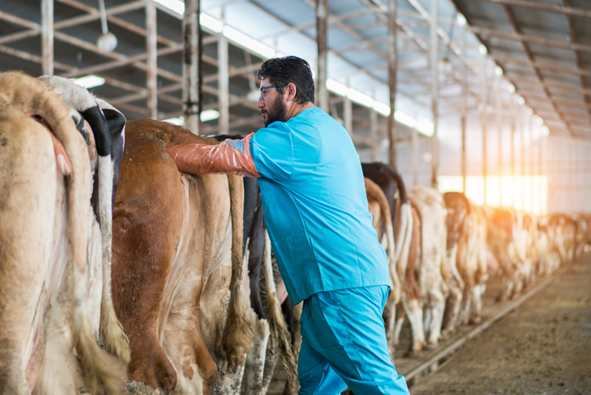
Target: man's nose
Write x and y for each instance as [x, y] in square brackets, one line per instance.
[260, 103]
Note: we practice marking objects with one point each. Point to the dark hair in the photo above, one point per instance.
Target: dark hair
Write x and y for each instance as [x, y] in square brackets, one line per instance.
[290, 69]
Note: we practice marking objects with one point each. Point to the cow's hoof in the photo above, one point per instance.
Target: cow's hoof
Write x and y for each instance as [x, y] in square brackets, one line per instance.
[432, 345]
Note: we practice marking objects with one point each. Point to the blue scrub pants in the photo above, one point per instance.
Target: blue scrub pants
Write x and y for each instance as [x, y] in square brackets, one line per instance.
[344, 344]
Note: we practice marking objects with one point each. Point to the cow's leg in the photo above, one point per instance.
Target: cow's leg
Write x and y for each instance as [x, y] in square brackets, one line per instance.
[414, 312]
[452, 308]
[27, 210]
[400, 316]
[436, 306]
[144, 247]
[252, 382]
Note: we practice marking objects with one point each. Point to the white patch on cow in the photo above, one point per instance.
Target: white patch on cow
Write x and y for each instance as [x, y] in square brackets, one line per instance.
[76, 96]
[433, 245]
[255, 359]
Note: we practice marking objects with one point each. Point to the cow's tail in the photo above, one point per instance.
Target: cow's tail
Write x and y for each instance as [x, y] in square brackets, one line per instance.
[280, 336]
[238, 332]
[405, 237]
[114, 338]
[391, 248]
[102, 372]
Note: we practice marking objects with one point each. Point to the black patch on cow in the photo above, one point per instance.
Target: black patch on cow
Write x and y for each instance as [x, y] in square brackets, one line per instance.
[100, 128]
[116, 122]
[389, 180]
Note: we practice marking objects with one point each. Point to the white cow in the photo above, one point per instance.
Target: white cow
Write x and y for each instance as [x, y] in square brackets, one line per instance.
[51, 250]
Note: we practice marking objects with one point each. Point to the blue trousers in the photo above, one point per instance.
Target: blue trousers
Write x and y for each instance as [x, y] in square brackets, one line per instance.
[344, 344]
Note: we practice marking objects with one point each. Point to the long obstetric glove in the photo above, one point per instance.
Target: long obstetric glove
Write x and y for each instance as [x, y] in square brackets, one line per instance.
[229, 157]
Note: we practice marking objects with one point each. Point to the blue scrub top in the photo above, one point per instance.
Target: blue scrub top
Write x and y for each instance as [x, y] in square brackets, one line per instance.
[315, 206]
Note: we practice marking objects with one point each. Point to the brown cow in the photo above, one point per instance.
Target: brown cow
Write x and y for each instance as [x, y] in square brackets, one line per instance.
[177, 252]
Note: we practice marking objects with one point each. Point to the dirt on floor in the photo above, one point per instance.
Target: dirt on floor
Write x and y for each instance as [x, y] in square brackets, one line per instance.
[542, 347]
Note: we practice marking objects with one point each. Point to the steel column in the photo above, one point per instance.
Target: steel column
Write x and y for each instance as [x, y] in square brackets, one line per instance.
[321, 39]
[152, 60]
[348, 114]
[484, 121]
[464, 97]
[434, 90]
[392, 68]
[530, 145]
[523, 123]
[415, 156]
[191, 65]
[47, 37]
[498, 115]
[373, 135]
[512, 131]
[223, 81]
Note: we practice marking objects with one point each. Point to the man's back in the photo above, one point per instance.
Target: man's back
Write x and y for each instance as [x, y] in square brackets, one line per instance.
[316, 207]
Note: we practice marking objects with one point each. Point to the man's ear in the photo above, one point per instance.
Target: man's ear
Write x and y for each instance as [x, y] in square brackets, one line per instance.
[291, 91]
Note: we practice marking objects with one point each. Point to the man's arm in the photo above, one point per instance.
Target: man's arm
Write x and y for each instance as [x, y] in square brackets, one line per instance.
[230, 157]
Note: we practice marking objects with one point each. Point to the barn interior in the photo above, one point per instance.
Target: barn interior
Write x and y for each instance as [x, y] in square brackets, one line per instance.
[511, 76]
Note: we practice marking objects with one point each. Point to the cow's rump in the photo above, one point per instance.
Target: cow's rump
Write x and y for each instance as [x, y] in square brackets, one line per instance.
[173, 237]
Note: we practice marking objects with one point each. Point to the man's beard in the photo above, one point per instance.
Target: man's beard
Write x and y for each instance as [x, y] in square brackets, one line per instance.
[276, 112]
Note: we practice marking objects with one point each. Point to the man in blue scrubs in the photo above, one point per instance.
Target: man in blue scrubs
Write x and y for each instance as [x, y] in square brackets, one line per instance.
[315, 208]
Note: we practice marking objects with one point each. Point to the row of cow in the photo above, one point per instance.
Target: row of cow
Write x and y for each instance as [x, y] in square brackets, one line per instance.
[120, 273]
[446, 247]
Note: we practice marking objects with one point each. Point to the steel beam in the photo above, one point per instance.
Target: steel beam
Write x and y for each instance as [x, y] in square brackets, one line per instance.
[322, 43]
[47, 37]
[392, 68]
[434, 91]
[530, 39]
[538, 65]
[573, 39]
[192, 72]
[529, 55]
[536, 5]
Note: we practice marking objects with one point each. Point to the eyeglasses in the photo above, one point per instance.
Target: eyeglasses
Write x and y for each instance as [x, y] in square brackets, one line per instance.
[262, 97]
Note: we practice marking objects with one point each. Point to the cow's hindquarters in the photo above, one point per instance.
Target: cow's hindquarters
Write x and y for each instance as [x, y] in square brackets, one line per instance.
[27, 208]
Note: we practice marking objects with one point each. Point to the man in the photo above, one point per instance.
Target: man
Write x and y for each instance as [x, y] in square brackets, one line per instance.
[316, 212]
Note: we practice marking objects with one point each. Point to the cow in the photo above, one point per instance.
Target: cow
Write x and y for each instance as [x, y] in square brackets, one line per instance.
[272, 337]
[51, 254]
[382, 219]
[459, 230]
[392, 185]
[466, 258]
[508, 242]
[472, 306]
[433, 259]
[107, 127]
[177, 274]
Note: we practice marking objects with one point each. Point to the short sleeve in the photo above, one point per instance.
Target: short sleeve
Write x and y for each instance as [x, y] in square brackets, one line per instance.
[272, 151]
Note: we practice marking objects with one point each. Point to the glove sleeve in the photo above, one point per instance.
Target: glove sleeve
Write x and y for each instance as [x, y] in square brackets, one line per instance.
[228, 157]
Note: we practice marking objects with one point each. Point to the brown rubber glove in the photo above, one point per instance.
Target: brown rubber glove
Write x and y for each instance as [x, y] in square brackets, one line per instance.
[229, 157]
